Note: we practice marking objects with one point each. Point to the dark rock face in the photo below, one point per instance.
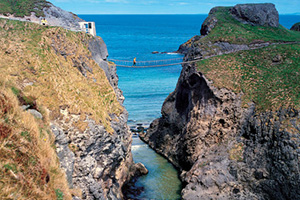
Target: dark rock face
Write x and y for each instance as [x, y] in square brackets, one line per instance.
[225, 151]
[210, 22]
[296, 27]
[272, 150]
[257, 14]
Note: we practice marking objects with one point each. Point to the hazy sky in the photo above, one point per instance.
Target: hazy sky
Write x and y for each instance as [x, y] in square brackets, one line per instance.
[163, 6]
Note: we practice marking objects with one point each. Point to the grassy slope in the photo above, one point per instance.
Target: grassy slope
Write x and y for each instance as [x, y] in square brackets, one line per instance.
[230, 30]
[268, 83]
[21, 8]
[27, 154]
[32, 69]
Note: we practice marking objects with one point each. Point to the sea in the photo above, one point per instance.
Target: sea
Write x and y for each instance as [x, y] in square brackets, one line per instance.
[145, 89]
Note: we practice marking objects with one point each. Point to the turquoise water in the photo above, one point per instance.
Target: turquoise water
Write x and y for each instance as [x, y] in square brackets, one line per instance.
[129, 36]
[162, 180]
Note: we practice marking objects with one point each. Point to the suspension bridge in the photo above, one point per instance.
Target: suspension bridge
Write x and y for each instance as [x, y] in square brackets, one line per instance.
[150, 63]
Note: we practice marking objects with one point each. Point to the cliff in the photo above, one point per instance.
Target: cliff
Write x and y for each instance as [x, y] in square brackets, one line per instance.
[232, 124]
[63, 127]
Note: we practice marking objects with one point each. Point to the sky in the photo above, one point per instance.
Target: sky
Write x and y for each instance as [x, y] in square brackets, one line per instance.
[163, 6]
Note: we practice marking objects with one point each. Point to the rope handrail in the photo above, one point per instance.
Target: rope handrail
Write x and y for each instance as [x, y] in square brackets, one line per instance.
[186, 62]
[145, 61]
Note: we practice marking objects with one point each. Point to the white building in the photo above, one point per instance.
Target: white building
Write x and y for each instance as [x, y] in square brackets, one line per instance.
[88, 27]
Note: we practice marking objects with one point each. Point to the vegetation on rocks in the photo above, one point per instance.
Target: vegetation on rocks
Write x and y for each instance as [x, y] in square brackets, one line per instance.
[29, 168]
[269, 76]
[21, 8]
[229, 29]
[48, 69]
[42, 63]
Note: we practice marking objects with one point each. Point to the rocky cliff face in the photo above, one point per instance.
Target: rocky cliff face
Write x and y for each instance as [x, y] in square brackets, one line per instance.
[223, 149]
[96, 161]
[66, 74]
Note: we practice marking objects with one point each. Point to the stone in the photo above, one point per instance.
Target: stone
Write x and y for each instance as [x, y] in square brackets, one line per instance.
[296, 27]
[257, 14]
[35, 113]
[140, 169]
[25, 107]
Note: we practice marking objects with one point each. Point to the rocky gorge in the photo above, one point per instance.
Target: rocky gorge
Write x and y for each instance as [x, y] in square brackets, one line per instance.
[221, 127]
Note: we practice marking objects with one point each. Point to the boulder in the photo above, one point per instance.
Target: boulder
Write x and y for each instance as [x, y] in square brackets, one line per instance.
[140, 169]
[257, 14]
[296, 27]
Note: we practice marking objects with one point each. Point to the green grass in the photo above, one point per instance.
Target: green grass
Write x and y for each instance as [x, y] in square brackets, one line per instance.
[231, 30]
[21, 8]
[267, 83]
[59, 194]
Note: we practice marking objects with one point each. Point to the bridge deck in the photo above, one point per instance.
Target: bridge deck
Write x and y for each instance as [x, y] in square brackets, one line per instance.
[150, 63]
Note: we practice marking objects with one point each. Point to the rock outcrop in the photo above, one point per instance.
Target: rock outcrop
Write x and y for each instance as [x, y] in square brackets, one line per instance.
[210, 22]
[96, 161]
[257, 14]
[99, 52]
[223, 149]
[55, 16]
[296, 27]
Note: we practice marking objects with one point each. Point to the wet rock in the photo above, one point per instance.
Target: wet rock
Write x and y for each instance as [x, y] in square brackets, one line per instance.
[140, 169]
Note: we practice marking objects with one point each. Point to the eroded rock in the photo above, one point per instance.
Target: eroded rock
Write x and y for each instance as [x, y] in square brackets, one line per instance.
[257, 14]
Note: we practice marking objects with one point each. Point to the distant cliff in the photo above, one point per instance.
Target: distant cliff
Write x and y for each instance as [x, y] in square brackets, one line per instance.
[232, 125]
[60, 108]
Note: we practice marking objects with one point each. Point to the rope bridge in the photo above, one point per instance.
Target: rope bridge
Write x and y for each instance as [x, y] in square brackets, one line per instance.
[151, 63]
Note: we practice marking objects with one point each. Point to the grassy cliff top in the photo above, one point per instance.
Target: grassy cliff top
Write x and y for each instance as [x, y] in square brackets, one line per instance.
[43, 62]
[268, 76]
[21, 8]
[229, 29]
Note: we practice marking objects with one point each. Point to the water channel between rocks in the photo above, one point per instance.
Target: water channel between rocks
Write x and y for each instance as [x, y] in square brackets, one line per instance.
[162, 181]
